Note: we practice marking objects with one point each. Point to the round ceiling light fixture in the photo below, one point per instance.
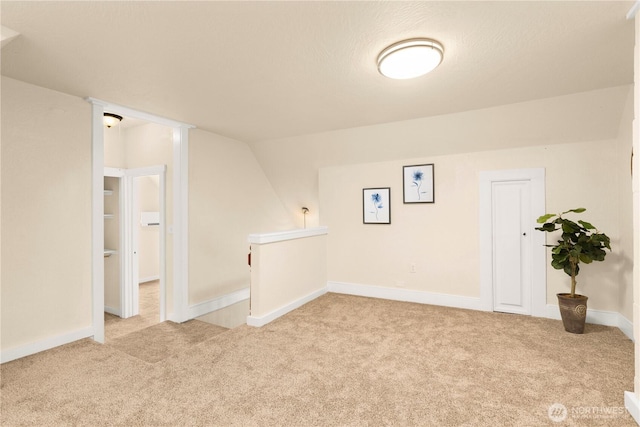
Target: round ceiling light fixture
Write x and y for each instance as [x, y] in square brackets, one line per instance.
[111, 119]
[410, 58]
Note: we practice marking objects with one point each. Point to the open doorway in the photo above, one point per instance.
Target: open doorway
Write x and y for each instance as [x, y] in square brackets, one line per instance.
[135, 226]
[148, 236]
[176, 225]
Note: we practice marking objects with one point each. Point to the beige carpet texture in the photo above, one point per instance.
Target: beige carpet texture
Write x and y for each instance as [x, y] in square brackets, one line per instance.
[337, 361]
[149, 313]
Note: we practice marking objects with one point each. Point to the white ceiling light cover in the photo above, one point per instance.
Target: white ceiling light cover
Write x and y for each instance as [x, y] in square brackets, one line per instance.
[410, 58]
[111, 119]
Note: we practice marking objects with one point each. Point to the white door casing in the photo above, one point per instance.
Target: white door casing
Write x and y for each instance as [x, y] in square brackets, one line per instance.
[180, 211]
[134, 294]
[512, 252]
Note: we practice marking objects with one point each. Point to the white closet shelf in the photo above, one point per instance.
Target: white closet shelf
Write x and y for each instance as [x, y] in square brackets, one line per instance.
[108, 192]
[109, 252]
[108, 216]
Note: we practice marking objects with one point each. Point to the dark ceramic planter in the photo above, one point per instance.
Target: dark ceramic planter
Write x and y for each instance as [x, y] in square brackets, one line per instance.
[573, 312]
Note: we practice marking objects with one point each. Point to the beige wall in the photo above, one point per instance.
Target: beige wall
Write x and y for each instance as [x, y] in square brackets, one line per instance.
[576, 138]
[114, 147]
[229, 198]
[292, 164]
[442, 239]
[286, 271]
[46, 214]
[625, 260]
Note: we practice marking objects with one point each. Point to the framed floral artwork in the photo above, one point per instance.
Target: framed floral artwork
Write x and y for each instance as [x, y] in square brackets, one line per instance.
[418, 183]
[376, 205]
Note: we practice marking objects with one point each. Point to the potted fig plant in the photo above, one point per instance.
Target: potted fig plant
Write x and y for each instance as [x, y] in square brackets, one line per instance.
[580, 242]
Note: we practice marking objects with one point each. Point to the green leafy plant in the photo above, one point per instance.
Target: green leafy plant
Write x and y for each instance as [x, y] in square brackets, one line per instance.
[580, 242]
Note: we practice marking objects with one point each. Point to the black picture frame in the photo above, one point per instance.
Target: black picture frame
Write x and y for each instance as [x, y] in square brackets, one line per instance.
[376, 205]
[418, 183]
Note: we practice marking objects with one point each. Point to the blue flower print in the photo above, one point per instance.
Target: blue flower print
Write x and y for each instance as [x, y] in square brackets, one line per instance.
[417, 180]
[376, 199]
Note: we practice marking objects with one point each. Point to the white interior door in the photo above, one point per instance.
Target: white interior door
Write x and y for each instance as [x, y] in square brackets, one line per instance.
[512, 227]
[129, 293]
[512, 253]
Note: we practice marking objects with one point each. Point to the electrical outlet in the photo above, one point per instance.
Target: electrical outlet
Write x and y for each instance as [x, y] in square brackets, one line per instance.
[412, 268]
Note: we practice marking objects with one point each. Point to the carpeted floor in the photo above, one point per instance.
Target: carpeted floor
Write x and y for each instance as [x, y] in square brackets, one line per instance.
[160, 341]
[144, 337]
[339, 360]
[149, 313]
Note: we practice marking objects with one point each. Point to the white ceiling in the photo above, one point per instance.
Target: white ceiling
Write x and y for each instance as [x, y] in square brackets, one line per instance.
[263, 70]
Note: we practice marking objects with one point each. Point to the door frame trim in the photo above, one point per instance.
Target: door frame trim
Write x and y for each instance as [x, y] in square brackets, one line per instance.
[538, 253]
[180, 210]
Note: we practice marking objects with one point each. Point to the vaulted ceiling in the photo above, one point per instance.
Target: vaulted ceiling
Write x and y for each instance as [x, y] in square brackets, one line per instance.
[262, 70]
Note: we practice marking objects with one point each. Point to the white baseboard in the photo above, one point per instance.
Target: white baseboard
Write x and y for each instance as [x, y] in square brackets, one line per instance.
[632, 404]
[270, 317]
[148, 279]
[599, 317]
[626, 326]
[111, 310]
[407, 295]
[46, 344]
[214, 304]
